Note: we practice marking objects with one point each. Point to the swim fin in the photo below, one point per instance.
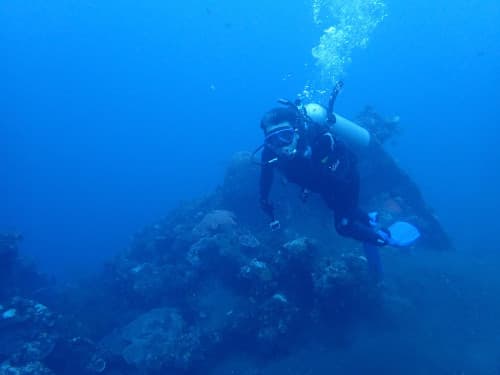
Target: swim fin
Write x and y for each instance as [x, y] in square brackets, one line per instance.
[403, 234]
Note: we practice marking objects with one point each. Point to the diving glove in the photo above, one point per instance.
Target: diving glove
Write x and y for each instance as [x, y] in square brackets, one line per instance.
[385, 238]
[268, 208]
[274, 225]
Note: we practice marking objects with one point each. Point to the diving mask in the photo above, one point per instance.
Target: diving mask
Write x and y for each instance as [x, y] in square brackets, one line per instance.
[283, 142]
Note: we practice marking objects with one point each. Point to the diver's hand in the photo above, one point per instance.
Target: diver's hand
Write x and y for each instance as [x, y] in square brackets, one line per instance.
[332, 119]
[268, 208]
[385, 239]
[275, 225]
[338, 87]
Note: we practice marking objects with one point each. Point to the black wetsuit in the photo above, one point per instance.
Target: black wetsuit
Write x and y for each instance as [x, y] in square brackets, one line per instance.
[329, 169]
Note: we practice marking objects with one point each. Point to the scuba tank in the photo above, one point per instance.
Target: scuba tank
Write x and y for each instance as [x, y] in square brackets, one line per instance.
[351, 133]
[355, 136]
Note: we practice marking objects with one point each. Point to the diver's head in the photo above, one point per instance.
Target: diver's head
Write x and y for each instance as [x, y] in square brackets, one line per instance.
[280, 131]
[284, 141]
[316, 113]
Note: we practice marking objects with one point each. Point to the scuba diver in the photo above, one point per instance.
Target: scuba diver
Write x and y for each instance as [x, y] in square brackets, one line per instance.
[300, 143]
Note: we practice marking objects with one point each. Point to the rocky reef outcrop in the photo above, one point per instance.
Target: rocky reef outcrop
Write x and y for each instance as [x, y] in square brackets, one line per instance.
[208, 281]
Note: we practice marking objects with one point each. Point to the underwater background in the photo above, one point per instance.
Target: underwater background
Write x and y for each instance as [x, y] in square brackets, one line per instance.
[113, 112]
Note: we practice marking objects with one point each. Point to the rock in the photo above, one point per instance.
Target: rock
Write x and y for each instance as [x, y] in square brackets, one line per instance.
[203, 252]
[77, 355]
[248, 241]
[344, 286]
[217, 221]
[28, 332]
[295, 255]
[33, 368]
[257, 271]
[300, 248]
[18, 275]
[157, 340]
[231, 287]
[9, 314]
[277, 319]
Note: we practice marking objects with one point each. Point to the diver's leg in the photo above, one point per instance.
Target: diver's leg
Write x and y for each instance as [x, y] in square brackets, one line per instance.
[351, 221]
[348, 225]
[372, 255]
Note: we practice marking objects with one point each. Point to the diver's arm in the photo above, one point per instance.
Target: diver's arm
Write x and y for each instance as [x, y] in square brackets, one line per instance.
[323, 147]
[266, 181]
[331, 103]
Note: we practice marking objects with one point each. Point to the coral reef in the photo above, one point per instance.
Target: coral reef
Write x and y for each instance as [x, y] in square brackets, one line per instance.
[207, 282]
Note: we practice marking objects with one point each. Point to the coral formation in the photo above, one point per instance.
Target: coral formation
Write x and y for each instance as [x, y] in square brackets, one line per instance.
[208, 281]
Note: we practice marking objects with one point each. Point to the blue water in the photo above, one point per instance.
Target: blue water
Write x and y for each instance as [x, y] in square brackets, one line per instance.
[112, 112]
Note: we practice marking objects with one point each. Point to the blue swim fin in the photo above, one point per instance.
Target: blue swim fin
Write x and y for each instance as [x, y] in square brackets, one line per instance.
[403, 234]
